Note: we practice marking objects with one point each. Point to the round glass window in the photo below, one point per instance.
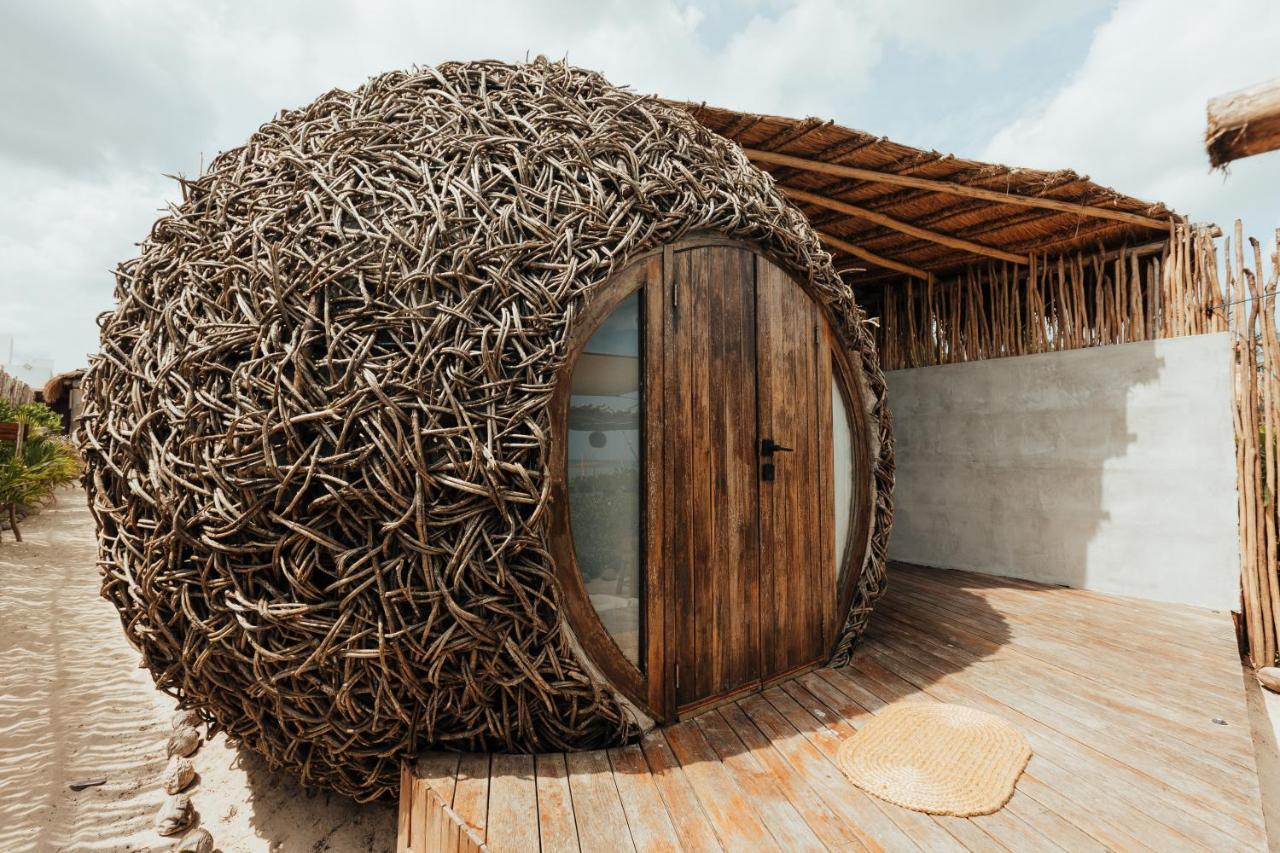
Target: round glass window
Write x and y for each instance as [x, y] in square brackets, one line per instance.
[842, 459]
[605, 476]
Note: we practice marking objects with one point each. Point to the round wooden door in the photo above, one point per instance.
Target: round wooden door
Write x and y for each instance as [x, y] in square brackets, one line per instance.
[748, 437]
[707, 477]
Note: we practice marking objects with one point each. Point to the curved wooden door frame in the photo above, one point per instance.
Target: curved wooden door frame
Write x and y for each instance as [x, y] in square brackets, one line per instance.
[649, 273]
[594, 638]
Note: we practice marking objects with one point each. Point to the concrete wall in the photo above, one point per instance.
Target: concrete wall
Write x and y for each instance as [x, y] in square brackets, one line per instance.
[1111, 469]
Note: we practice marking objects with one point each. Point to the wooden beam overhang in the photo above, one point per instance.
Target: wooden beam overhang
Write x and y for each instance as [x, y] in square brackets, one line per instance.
[903, 227]
[937, 186]
[1243, 123]
[872, 257]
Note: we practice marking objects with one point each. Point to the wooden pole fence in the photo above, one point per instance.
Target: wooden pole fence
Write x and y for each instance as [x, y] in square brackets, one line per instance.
[14, 390]
[1195, 282]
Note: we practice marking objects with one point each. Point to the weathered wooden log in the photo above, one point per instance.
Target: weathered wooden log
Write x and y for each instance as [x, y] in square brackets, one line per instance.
[1243, 123]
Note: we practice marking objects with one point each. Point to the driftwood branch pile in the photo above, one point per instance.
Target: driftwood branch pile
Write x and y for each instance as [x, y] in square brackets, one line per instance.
[317, 429]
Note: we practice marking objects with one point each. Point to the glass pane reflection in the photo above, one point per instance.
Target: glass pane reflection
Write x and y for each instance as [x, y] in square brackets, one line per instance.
[604, 476]
[842, 457]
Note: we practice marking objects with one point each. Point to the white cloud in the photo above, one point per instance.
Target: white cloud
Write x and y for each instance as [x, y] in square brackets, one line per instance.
[1133, 115]
[59, 241]
[818, 54]
[982, 30]
[101, 99]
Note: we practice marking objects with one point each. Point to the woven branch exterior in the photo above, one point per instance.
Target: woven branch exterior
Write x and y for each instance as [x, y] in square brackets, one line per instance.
[317, 432]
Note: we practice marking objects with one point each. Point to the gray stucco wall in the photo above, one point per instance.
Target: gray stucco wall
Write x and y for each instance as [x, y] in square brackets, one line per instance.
[1110, 469]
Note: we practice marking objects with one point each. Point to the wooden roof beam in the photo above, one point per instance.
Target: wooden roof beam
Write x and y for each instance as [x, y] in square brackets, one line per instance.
[872, 257]
[937, 186]
[903, 227]
[1243, 123]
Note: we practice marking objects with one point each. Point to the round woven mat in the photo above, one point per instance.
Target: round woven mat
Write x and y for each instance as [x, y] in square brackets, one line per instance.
[937, 758]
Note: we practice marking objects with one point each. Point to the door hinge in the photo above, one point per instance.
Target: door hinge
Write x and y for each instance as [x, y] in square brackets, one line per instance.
[677, 676]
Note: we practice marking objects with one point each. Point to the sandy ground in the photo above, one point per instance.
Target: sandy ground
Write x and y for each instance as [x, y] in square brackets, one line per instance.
[74, 705]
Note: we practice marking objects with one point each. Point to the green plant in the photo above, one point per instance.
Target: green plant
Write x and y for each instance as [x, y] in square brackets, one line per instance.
[47, 460]
[34, 415]
[52, 460]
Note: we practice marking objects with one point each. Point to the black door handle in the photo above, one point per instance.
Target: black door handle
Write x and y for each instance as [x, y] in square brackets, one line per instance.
[768, 447]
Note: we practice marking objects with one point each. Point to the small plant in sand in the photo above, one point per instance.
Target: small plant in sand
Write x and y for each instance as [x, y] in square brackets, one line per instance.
[44, 461]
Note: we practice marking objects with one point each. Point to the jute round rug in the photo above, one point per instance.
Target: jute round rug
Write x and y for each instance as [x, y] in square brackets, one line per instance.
[937, 758]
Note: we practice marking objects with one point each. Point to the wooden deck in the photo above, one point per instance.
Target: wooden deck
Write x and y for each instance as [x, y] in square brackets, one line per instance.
[1118, 698]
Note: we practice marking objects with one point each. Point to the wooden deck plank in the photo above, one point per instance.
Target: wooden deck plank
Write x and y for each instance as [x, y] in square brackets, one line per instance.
[1046, 636]
[1159, 768]
[1183, 619]
[557, 831]
[1065, 646]
[513, 797]
[1086, 802]
[1051, 644]
[1126, 660]
[732, 815]
[471, 792]
[420, 824]
[1149, 801]
[851, 803]
[405, 810]
[440, 771]
[1216, 760]
[1083, 623]
[1023, 592]
[1213, 752]
[690, 821]
[1114, 695]
[1083, 812]
[1050, 824]
[779, 816]
[826, 730]
[1031, 813]
[1065, 641]
[651, 827]
[597, 808]
[843, 709]
[825, 823]
[1184, 624]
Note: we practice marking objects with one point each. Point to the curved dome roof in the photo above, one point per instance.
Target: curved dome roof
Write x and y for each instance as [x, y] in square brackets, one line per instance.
[317, 429]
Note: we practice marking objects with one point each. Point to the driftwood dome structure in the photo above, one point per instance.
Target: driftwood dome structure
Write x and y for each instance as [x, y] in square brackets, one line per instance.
[320, 431]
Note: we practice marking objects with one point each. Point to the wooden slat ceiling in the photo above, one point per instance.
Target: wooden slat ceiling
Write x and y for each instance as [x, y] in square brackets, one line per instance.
[877, 204]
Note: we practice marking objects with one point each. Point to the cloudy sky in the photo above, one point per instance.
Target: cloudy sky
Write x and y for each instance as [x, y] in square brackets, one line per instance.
[100, 99]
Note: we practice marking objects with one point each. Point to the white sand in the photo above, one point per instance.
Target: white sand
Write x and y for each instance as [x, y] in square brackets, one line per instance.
[74, 705]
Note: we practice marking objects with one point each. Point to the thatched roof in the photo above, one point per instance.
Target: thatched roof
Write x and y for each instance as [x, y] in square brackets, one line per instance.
[895, 209]
[53, 389]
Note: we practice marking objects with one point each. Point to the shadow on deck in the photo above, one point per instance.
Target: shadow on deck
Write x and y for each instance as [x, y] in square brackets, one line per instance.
[1117, 696]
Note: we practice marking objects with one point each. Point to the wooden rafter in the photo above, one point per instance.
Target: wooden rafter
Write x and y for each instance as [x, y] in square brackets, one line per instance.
[1243, 123]
[950, 188]
[872, 257]
[904, 227]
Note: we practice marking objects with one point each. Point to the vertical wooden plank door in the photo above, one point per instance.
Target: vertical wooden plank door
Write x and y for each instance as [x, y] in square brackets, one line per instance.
[797, 537]
[711, 429]
[750, 555]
